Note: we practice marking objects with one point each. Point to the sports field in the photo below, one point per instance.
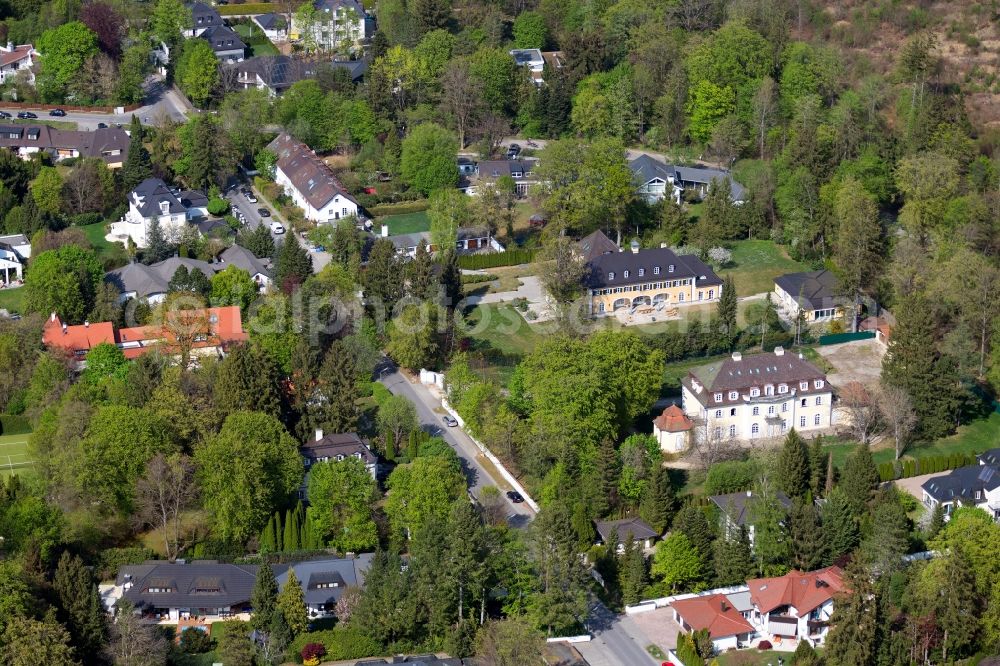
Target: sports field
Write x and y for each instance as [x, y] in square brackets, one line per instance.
[14, 455]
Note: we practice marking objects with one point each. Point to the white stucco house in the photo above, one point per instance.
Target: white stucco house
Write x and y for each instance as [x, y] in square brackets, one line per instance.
[338, 23]
[310, 182]
[153, 200]
[796, 606]
[672, 430]
[14, 59]
[15, 250]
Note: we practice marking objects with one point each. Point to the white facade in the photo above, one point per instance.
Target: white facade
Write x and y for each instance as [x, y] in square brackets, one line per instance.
[334, 28]
[14, 59]
[790, 624]
[670, 442]
[340, 206]
[137, 227]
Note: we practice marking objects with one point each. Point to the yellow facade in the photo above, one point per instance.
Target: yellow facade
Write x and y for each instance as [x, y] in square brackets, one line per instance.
[680, 291]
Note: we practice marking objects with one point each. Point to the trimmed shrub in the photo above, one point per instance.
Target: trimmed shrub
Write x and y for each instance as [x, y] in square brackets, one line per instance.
[730, 477]
[111, 560]
[248, 8]
[312, 654]
[383, 210]
[195, 641]
[217, 206]
[14, 425]
[340, 643]
[764, 645]
[496, 259]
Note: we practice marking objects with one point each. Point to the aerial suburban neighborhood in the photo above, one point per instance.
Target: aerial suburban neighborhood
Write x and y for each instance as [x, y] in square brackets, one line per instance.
[481, 333]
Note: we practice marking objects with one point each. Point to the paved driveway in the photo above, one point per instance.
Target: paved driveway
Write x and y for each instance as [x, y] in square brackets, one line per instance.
[617, 640]
[912, 484]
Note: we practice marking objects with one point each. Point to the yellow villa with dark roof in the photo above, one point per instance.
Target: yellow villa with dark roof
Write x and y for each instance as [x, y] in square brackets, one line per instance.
[644, 279]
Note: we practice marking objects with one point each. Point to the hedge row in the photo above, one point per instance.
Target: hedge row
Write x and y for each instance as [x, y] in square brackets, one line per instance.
[248, 8]
[14, 425]
[399, 208]
[904, 469]
[496, 259]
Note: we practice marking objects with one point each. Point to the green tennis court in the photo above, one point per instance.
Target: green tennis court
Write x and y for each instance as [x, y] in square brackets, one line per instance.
[14, 457]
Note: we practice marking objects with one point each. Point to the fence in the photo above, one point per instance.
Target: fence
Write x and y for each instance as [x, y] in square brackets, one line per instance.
[72, 108]
[837, 338]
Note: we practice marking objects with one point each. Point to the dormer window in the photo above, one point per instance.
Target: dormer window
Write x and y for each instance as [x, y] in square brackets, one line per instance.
[733, 395]
[718, 397]
[769, 390]
[754, 392]
[611, 275]
[804, 386]
[670, 268]
[642, 271]
[782, 388]
[625, 275]
[818, 383]
[656, 270]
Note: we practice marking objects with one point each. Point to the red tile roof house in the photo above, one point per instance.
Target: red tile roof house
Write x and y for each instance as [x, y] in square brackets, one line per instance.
[795, 606]
[672, 430]
[719, 614]
[14, 59]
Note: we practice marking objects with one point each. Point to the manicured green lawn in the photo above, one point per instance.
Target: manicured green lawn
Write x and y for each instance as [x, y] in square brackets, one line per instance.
[501, 327]
[406, 223]
[12, 300]
[60, 124]
[255, 38]
[756, 263]
[753, 658]
[14, 457]
[95, 235]
[112, 255]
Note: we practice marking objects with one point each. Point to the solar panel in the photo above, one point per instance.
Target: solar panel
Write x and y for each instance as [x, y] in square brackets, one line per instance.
[986, 474]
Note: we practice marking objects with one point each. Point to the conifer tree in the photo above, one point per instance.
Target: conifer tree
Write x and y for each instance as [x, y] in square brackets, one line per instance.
[451, 279]
[80, 608]
[853, 638]
[794, 471]
[840, 528]
[382, 279]
[279, 534]
[728, 304]
[420, 273]
[258, 241]
[817, 466]
[889, 539]
[937, 521]
[138, 166]
[859, 479]
[608, 468]
[733, 559]
[294, 265]
[914, 364]
[657, 504]
[267, 539]
[692, 523]
[390, 446]
[772, 546]
[263, 598]
[632, 578]
[157, 247]
[808, 549]
[292, 604]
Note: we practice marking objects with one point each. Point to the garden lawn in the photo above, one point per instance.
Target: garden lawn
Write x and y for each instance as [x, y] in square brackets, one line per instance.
[756, 263]
[501, 327]
[754, 657]
[14, 457]
[405, 223]
[255, 38]
[111, 255]
[12, 300]
[58, 124]
[975, 437]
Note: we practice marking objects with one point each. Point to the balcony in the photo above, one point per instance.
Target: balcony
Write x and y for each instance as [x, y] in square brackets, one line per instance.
[783, 625]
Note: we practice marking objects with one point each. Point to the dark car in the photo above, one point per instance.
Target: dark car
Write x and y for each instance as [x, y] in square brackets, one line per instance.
[102, 126]
[515, 496]
[4, 114]
[25, 115]
[57, 112]
[449, 421]
[513, 150]
[263, 212]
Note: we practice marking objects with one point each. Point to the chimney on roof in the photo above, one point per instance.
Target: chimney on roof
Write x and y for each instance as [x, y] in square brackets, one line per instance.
[319, 434]
[86, 323]
[635, 246]
[52, 317]
[779, 351]
[65, 328]
[10, 46]
[737, 356]
[724, 606]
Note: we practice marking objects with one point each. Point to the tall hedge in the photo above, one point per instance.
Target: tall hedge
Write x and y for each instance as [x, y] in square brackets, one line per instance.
[475, 262]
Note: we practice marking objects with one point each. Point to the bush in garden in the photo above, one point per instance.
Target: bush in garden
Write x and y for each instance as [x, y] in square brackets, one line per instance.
[312, 654]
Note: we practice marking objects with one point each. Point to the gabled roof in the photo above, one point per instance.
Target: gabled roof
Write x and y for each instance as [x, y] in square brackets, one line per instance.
[308, 174]
[241, 257]
[990, 457]
[270, 21]
[346, 572]
[196, 584]
[811, 289]
[714, 612]
[500, 168]
[738, 505]
[334, 5]
[150, 193]
[338, 444]
[222, 38]
[145, 280]
[962, 483]
[649, 265]
[77, 339]
[224, 328]
[646, 168]
[704, 176]
[617, 531]
[596, 244]
[98, 143]
[673, 419]
[19, 52]
[804, 591]
[207, 14]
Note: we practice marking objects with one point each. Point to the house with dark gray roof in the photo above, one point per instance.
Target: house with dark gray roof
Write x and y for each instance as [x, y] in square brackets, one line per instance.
[467, 240]
[203, 17]
[489, 171]
[618, 532]
[654, 180]
[151, 201]
[109, 144]
[736, 511]
[310, 182]
[646, 281]
[815, 295]
[212, 590]
[756, 396]
[151, 282]
[274, 26]
[226, 44]
[972, 485]
[596, 244]
[335, 447]
[240, 257]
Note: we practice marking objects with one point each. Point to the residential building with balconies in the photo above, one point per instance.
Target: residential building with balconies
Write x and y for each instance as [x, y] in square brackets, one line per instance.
[796, 606]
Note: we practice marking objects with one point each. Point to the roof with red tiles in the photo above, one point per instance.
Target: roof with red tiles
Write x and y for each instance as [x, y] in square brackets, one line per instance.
[803, 590]
[714, 612]
[673, 419]
[77, 339]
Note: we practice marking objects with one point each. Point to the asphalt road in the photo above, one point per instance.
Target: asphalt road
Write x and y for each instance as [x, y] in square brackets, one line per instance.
[159, 102]
[612, 643]
[518, 515]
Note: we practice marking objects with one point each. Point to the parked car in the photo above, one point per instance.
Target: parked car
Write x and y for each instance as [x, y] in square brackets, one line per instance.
[251, 197]
[102, 126]
[276, 228]
[263, 212]
[59, 113]
[515, 496]
[25, 115]
[238, 214]
[513, 150]
[449, 421]
[4, 114]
